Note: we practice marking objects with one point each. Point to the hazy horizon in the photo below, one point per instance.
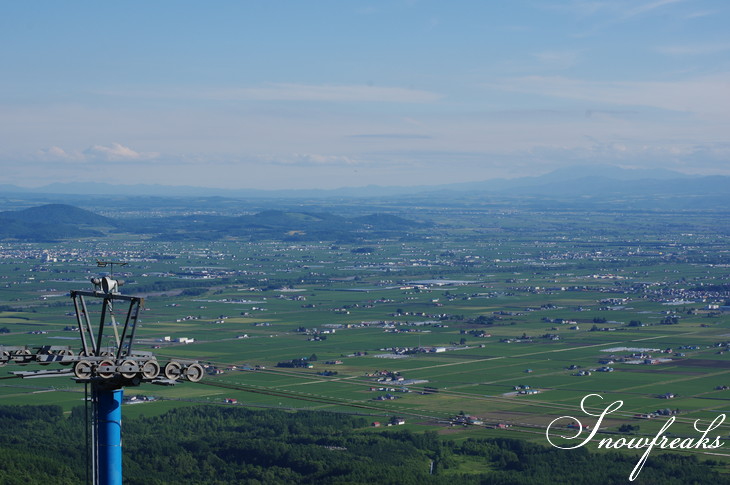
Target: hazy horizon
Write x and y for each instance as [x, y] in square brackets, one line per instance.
[577, 172]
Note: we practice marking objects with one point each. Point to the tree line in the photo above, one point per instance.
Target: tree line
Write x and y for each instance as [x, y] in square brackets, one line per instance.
[216, 445]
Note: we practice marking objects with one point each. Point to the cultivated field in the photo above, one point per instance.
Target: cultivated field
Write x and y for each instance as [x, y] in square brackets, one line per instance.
[511, 319]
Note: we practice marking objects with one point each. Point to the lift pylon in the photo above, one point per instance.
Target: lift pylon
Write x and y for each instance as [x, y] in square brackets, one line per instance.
[107, 362]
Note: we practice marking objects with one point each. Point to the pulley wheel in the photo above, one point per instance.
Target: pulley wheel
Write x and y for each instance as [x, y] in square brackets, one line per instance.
[65, 353]
[43, 355]
[150, 369]
[83, 369]
[21, 356]
[105, 374]
[173, 370]
[194, 372]
[128, 369]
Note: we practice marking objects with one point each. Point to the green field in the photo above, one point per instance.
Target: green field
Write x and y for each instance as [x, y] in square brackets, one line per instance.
[462, 319]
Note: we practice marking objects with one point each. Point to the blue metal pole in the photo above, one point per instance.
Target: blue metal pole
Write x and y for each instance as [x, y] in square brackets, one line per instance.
[109, 422]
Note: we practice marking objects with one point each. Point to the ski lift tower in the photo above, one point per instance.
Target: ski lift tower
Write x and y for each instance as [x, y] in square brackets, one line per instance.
[107, 363]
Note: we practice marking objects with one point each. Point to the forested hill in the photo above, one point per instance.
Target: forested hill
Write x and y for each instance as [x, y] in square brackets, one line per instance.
[54, 222]
[276, 225]
[228, 445]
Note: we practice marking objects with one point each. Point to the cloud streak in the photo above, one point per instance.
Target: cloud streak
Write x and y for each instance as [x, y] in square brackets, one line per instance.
[695, 49]
[294, 92]
[301, 92]
[55, 153]
[393, 136]
[648, 7]
[309, 159]
[699, 95]
[116, 152]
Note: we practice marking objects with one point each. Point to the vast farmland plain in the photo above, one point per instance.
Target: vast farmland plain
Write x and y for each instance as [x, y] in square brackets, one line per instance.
[509, 317]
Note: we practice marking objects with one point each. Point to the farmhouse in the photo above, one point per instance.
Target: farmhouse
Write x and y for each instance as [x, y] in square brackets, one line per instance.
[465, 419]
[529, 391]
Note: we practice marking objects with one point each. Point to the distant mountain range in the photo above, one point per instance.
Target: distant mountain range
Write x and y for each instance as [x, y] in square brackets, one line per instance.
[53, 222]
[598, 182]
[602, 175]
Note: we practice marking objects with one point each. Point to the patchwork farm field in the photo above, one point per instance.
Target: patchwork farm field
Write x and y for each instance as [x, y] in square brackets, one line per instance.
[513, 331]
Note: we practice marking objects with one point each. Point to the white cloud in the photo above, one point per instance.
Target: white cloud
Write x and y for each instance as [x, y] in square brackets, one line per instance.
[55, 153]
[116, 152]
[317, 159]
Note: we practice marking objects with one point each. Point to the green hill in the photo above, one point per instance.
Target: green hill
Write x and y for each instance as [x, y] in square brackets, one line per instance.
[52, 222]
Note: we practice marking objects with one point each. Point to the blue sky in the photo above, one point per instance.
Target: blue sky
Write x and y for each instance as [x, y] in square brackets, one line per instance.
[323, 94]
